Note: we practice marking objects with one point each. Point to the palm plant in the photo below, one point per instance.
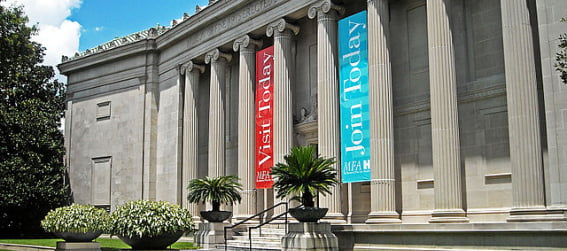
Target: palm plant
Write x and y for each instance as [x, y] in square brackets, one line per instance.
[303, 175]
[219, 190]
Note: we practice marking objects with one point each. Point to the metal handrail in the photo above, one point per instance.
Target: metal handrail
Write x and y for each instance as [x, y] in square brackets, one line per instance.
[262, 224]
[254, 216]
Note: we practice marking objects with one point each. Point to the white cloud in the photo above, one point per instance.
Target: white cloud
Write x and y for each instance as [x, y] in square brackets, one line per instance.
[59, 40]
[57, 34]
[99, 28]
[47, 12]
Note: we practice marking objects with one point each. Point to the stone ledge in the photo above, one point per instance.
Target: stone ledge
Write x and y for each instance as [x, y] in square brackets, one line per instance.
[77, 246]
[20, 247]
[458, 236]
[456, 227]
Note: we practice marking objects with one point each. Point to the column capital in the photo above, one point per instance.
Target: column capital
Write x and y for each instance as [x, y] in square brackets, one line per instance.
[280, 26]
[181, 68]
[244, 42]
[215, 55]
[324, 7]
[190, 66]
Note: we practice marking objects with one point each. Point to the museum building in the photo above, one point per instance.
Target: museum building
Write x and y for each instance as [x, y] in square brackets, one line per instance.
[463, 119]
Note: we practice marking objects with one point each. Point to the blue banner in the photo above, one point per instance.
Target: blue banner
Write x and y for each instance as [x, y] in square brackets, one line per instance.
[355, 117]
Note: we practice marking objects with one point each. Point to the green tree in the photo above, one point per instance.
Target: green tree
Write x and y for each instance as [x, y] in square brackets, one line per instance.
[561, 56]
[31, 145]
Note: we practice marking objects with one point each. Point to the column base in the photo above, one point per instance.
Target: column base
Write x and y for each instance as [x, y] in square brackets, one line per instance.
[334, 218]
[210, 234]
[78, 246]
[449, 216]
[383, 217]
[310, 236]
[536, 214]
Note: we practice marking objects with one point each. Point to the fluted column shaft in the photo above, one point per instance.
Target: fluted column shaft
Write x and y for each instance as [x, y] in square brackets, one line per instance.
[444, 117]
[328, 97]
[523, 108]
[383, 183]
[191, 132]
[246, 125]
[216, 161]
[283, 121]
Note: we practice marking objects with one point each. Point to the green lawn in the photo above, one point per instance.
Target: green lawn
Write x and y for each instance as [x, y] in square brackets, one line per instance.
[105, 243]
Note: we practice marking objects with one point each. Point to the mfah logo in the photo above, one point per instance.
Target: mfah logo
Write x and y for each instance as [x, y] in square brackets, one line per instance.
[355, 121]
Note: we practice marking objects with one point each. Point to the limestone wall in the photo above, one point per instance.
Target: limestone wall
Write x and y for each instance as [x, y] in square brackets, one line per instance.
[549, 14]
[106, 153]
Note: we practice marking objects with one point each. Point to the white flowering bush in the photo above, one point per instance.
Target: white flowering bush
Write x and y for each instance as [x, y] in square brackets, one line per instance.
[143, 218]
[76, 219]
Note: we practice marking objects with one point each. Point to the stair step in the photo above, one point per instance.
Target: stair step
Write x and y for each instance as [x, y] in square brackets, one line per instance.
[254, 243]
[256, 237]
[255, 246]
[247, 248]
[269, 239]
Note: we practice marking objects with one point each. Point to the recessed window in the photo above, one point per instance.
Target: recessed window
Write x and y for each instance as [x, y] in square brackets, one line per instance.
[103, 111]
[101, 181]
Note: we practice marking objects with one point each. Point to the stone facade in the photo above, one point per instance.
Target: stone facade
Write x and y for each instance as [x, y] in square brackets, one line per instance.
[469, 116]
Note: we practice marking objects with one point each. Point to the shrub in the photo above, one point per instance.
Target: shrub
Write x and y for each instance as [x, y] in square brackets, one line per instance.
[77, 219]
[143, 218]
[561, 56]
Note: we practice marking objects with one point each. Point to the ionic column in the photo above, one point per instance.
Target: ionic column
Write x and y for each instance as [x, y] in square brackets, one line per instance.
[246, 124]
[328, 97]
[444, 117]
[191, 133]
[523, 111]
[383, 183]
[283, 33]
[218, 61]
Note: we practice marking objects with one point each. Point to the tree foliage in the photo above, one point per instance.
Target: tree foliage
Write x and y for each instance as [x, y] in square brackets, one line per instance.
[31, 145]
[561, 56]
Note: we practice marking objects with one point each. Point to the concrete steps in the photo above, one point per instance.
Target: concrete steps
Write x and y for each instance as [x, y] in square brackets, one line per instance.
[268, 238]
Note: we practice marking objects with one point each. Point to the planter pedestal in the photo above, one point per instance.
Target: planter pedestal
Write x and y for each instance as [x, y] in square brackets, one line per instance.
[77, 246]
[211, 234]
[310, 236]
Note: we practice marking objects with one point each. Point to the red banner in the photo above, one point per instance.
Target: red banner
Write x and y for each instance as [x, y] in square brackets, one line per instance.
[264, 117]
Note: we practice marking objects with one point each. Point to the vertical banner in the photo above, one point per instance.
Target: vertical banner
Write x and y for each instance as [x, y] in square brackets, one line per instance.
[354, 107]
[264, 117]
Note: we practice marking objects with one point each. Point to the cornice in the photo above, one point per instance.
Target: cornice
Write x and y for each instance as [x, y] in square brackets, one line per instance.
[200, 33]
[199, 21]
[142, 46]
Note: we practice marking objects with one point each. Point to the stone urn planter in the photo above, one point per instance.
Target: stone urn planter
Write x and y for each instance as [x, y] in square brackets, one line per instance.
[308, 214]
[76, 224]
[150, 225]
[216, 216]
[161, 241]
[78, 237]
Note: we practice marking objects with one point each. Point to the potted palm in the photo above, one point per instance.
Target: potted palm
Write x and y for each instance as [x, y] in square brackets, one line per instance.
[303, 175]
[217, 191]
[76, 223]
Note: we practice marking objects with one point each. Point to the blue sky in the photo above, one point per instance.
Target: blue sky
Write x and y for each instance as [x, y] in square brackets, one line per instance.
[103, 20]
[70, 26]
